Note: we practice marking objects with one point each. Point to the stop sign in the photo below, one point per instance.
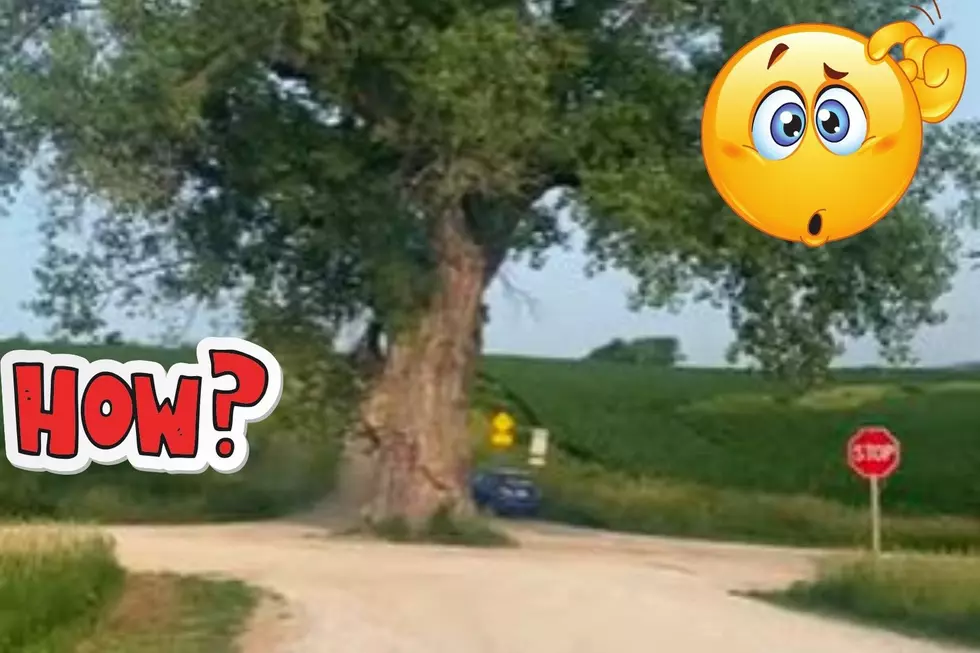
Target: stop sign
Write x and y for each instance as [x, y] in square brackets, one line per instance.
[873, 452]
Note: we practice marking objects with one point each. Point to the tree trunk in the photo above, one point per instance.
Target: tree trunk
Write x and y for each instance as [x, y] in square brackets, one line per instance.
[416, 412]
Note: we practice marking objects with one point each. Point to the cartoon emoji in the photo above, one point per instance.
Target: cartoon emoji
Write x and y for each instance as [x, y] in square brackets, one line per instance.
[813, 132]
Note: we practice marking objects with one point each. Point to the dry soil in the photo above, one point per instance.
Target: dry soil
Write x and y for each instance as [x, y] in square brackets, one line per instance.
[563, 591]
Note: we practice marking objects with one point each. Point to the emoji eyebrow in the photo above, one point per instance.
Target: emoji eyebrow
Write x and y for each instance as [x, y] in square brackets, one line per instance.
[777, 52]
[833, 74]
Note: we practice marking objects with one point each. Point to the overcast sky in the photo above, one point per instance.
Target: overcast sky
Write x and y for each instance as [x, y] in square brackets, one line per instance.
[558, 311]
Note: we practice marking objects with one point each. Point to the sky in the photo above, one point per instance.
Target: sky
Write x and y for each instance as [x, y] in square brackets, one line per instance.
[558, 311]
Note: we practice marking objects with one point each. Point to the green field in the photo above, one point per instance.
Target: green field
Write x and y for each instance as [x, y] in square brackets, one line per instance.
[733, 430]
[728, 454]
[703, 453]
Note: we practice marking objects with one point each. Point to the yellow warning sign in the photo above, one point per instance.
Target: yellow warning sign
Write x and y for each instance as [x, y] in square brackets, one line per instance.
[502, 439]
[502, 422]
[502, 430]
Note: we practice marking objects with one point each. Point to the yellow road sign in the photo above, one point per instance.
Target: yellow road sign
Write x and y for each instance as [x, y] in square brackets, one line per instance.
[502, 430]
[502, 439]
[502, 422]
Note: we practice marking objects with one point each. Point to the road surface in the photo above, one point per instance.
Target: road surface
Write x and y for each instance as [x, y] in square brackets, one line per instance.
[562, 591]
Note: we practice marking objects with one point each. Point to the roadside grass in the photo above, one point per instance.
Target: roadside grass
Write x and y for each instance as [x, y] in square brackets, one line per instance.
[936, 596]
[164, 613]
[54, 584]
[62, 590]
[590, 495]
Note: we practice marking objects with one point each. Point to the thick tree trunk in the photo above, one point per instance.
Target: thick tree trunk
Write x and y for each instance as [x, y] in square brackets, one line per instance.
[415, 414]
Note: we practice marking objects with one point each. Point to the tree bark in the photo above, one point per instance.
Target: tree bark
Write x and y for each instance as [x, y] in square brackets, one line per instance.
[416, 413]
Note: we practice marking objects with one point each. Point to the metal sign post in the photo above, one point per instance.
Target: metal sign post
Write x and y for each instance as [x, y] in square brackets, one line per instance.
[874, 454]
[875, 516]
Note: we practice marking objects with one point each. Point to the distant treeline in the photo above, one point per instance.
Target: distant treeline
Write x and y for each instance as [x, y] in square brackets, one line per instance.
[656, 351]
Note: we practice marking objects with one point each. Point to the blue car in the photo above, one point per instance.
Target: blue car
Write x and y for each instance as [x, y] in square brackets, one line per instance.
[506, 492]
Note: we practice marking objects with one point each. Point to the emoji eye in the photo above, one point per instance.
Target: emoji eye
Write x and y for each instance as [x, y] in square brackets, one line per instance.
[779, 124]
[841, 123]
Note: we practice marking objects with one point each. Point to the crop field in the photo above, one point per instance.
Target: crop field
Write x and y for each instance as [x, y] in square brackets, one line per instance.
[733, 430]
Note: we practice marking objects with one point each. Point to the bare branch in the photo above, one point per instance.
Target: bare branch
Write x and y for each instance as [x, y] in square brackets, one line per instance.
[521, 297]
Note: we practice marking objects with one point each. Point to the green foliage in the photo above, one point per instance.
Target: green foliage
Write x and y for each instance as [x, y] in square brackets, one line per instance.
[291, 462]
[660, 352]
[296, 158]
[53, 585]
[733, 431]
[935, 596]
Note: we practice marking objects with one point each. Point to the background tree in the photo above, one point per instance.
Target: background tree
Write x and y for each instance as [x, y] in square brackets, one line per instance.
[315, 161]
[655, 351]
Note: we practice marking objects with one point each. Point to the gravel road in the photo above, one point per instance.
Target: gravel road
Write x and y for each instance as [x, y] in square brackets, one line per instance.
[563, 591]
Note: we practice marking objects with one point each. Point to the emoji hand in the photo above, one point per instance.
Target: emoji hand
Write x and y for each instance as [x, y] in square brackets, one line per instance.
[937, 71]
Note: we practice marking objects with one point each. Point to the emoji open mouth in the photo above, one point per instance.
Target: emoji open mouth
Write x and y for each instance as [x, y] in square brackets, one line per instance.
[814, 227]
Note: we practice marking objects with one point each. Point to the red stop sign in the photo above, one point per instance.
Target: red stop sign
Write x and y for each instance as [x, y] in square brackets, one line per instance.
[873, 452]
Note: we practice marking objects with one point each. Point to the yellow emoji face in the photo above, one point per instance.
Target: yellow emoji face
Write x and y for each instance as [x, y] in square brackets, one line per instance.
[809, 138]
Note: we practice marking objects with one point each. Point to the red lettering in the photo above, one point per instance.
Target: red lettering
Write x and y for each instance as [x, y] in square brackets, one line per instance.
[108, 410]
[170, 425]
[253, 381]
[60, 422]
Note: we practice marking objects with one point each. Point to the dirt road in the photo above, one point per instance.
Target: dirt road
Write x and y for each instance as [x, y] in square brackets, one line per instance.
[563, 591]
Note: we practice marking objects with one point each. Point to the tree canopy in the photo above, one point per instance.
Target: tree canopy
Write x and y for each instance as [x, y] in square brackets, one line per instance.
[661, 351]
[310, 161]
[289, 153]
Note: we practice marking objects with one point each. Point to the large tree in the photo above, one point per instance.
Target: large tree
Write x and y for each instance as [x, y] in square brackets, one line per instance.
[317, 161]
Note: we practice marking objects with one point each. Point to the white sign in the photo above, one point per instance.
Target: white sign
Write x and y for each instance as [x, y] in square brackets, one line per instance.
[538, 450]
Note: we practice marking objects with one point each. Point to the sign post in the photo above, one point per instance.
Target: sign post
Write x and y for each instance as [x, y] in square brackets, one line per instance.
[875, 515]
[874, 454]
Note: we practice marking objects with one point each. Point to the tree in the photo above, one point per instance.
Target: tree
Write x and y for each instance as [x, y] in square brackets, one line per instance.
[657, 351]
[316, 161]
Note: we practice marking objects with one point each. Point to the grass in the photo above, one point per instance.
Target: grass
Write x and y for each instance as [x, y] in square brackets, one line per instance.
[163, 613]
[930, 596]
[727, 454]
[54, 583]
[62, 590]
